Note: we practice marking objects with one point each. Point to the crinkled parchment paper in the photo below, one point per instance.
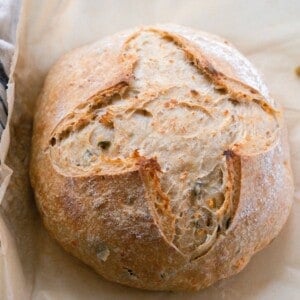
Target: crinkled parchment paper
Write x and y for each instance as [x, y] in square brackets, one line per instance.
[32, 266]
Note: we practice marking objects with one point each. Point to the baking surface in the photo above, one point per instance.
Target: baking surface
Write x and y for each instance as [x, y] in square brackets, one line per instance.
[267, 32]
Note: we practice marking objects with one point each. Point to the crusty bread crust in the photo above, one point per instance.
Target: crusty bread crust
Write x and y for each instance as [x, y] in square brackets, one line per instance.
[115, 214]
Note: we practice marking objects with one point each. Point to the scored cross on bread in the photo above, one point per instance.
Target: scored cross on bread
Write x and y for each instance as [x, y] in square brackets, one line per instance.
[159, 158]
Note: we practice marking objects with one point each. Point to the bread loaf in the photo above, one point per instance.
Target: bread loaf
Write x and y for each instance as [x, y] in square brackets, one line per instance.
[159, 158]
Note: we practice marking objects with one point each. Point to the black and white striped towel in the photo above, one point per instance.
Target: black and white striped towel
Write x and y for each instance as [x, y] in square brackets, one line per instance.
[8, 21]
[4, 60]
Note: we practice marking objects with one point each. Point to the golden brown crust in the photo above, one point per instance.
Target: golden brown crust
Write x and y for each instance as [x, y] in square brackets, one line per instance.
[122, 224]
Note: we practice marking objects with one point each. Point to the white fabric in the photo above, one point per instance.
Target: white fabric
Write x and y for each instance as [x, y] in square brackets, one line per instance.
[8, 22]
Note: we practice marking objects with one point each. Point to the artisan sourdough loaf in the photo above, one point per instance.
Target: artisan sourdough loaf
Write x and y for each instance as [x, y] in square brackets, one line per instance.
[159, 158]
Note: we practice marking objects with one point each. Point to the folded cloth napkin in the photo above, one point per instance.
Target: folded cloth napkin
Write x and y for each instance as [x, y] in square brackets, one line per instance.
[9, 10]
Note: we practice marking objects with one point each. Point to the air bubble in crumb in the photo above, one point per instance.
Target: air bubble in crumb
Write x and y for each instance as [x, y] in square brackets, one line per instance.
[99, 202]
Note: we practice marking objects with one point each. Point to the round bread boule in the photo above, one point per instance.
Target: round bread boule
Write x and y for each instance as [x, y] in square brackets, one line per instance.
[159, 158]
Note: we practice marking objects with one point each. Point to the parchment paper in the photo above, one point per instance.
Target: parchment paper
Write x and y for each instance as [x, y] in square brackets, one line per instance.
[32, 265]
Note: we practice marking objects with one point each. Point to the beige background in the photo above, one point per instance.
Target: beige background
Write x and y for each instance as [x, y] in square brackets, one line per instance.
[268, 32]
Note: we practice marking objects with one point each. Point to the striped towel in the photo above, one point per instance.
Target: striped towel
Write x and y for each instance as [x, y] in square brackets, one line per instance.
[8, 21]
[4, 59]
